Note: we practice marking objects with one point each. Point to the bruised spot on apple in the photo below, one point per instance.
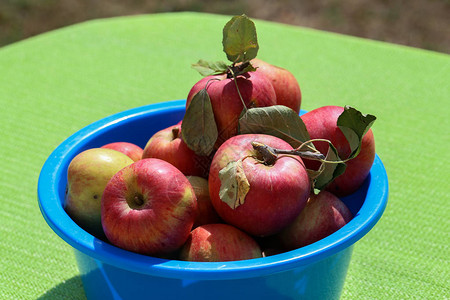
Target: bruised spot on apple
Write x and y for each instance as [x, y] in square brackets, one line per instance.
[321, 123]
[219, 242]
[277, 192]
[168, 145]
[255, 89]
[323, 215]
[87, 175]
[148, 207]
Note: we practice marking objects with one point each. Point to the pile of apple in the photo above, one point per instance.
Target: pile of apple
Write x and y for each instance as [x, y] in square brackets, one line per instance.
[241, 176]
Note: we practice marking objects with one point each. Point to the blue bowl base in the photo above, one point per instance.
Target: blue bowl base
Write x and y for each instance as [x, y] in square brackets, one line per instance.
[321, 280]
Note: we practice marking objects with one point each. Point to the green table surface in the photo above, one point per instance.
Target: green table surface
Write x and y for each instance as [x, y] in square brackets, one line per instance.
[58, 82]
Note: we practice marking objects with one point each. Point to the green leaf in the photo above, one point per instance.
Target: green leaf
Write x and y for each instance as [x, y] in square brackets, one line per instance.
[354, 125]
[329, 171]
[234, 185]
[199, 129]
[276, 120]
[240, 42]
[206, 68]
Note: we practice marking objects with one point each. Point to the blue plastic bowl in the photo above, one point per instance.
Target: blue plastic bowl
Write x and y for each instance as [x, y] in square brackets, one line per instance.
[316, 271]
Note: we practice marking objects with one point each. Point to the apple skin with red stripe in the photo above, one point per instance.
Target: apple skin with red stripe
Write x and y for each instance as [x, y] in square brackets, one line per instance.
[287, 89]
[219, 242]
[321, 123]
[131, 150]
[277, 192]
[148, 207]
[168, 145]
[323, 215]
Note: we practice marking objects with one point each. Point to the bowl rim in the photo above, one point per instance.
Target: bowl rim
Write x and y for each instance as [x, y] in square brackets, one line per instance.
[70, 232]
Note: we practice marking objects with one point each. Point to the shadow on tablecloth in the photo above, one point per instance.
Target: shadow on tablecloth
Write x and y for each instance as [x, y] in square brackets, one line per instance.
[69, 289]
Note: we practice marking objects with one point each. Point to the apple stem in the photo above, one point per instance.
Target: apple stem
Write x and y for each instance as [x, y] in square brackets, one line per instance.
[304, 154]
[265, 152]
[317, 155]
[237, 88]
[270, 154]
[175, 132]
[209, 80]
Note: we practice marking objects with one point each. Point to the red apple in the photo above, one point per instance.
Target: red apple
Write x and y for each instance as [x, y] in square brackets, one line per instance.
[277, 194]
[219, 242]
[285, 84]
[167, 145]
[321, 124]
[323, 215]
[256, 91]
[206, 212]
[129, 149]
[87, 176]
[148, 207]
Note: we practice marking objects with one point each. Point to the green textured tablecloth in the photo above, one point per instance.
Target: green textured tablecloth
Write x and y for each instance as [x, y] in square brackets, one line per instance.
[56, 83]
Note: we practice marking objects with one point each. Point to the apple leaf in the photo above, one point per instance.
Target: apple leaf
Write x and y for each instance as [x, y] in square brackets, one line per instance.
[234, 184]
[199, 129]
[329, 170]
[276, 120]
[240, 42]
[354, 125]
[206, 68]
